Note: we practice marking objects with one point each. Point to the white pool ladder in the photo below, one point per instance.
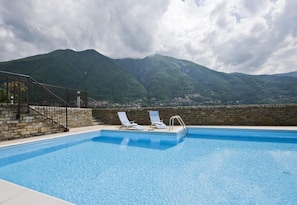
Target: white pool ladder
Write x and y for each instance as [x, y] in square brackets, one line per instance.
[181, 122]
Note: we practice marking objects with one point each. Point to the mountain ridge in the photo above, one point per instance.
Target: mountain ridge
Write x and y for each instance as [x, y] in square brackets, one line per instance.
[153, 79]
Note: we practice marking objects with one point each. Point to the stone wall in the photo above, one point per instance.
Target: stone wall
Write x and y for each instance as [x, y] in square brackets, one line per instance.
[28, 125]
[79, 117]
[251, 115]
[244, 115]
[32, 124]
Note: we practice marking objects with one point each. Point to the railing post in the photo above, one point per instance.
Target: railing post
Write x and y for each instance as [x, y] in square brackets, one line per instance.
[78, 99]
[27, 103]
[8, 95]
[67, 129]
[18, 116]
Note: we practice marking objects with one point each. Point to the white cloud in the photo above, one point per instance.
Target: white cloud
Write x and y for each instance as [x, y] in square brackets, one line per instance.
[246, 36]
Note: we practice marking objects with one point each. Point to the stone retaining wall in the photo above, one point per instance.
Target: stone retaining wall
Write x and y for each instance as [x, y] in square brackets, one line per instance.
[28, 125]
[79, 117]
[32, 124]
[249, 115]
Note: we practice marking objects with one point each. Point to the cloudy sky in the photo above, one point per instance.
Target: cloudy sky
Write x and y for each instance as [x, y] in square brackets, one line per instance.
[248, 36]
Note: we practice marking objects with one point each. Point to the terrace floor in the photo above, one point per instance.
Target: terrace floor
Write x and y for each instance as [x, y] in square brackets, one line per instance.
[12, 194]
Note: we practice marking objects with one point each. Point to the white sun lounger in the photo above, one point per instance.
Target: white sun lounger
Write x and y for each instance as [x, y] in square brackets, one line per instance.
[127, 123]
[155, 120]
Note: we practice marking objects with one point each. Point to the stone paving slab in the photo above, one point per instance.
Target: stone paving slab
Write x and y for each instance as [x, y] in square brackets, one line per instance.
[12, 194]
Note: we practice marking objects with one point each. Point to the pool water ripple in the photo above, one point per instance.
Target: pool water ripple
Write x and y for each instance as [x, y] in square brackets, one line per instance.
[195, 171]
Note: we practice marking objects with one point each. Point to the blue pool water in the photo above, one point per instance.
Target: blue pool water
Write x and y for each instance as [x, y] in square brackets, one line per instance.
[211, 166]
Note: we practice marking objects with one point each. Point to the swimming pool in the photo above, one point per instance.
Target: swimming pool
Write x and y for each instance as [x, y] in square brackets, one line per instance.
[211, 166]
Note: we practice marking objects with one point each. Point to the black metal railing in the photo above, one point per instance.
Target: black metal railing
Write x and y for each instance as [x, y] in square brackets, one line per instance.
[22, 93]
[69, 95]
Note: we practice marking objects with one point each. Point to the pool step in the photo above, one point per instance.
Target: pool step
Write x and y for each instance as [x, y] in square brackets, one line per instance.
[168, 137]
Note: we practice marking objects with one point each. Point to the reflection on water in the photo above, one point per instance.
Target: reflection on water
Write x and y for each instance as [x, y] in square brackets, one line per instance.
[126, 142]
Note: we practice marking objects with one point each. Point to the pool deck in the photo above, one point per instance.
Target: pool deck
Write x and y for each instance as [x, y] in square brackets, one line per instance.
[12, 194]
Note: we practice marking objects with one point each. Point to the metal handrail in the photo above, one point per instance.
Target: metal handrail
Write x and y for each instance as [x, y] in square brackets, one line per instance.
[181, 122]
[20, 92]
[68, 95]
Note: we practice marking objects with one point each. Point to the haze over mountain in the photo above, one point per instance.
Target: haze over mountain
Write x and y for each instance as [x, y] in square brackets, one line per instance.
[153, 79]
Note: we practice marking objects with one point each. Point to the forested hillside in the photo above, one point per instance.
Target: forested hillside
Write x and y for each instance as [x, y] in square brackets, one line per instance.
[153, 80]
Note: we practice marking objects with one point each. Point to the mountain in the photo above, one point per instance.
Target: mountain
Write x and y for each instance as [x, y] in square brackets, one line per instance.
[291, 74]
[161, 76]
[169, 77]
[154, 79]
[87, 70]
